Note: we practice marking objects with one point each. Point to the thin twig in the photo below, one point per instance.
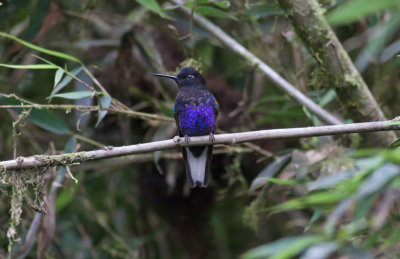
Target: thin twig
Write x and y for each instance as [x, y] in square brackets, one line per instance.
[232, 138]
[233, 45]
[67, 107]
[96, 82]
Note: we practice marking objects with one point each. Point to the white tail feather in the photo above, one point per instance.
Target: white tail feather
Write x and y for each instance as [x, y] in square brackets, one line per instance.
[197, 166]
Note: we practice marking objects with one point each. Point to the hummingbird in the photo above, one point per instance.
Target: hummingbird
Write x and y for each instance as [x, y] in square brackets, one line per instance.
[195, 112]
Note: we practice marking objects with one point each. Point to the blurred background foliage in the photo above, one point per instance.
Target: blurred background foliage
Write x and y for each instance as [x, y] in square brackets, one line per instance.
[311, 198]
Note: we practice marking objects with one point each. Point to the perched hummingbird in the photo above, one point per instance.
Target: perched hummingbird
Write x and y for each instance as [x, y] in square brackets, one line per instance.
[195, 113]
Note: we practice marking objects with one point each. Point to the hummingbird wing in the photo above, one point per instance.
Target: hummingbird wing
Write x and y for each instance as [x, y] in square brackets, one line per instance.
[215, 108]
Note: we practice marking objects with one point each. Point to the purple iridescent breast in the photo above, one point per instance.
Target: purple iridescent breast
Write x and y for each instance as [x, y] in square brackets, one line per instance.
[196, 120]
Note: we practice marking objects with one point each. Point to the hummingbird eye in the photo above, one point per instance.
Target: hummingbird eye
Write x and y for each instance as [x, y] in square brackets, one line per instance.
[190, 76]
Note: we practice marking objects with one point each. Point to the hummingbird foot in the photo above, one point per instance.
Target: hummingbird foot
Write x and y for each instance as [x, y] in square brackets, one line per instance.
[187, 139]
[211, 137]
[176, 139]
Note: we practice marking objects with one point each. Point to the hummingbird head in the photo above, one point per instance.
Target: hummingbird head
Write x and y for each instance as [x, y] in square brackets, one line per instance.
[187, 77]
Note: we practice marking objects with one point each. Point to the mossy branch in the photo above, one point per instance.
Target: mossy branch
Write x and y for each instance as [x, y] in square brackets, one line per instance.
[319, 38]
[76, 158]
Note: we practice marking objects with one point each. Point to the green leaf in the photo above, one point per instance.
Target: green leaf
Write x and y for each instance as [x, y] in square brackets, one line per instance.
[380, 34]
[357, 253]
[317, 215]
[378, 179]
[70, 145]
[395, 144]
[66, 80]
[393, 239]
[73, 95]
[49, 121]
[282, 182]
[58, 76]
[351, 11]
[198, 2]
[152, 5]
[325, 198]
[213, 12]
[264, 10]
[44, 119]
[105, 101]
[297, 246]
[337, 213]
[269, 249]
[282, 248]
[36, 18]
[40, 49]
[368, 162]
[324, 182]
[166, 110]
[31, 66]
[327, 98]
[222, 4]
[64, 198]
[277, 165]
[320, 251]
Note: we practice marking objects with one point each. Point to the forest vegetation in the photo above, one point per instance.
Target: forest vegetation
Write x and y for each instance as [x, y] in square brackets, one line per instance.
[77, 76]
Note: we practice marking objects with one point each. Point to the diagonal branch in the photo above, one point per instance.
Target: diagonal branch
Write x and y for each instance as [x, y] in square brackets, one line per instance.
[233, 45]
[230, 139]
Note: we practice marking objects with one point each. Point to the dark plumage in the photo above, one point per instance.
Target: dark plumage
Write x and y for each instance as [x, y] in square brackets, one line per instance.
[195, 113]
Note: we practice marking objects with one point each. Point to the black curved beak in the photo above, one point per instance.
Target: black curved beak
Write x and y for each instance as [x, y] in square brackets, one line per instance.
[167, 76]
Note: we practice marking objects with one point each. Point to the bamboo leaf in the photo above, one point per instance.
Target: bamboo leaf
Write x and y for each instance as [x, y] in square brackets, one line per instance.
[270, 171]
[324, 182]
[31, 66]
[283, 248]
[49, 121]
[152, 5]
[65, 197]
[297, 246]
[325, 198]
[44, 119]
[351, 11]
[73, 95]
[58, 76]
[378, 179]
[222, 4]
[269, 249]
[105, 101]
[282, 182]
[320, 251]
[41, 49]
[66, 80]
[214, 12]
